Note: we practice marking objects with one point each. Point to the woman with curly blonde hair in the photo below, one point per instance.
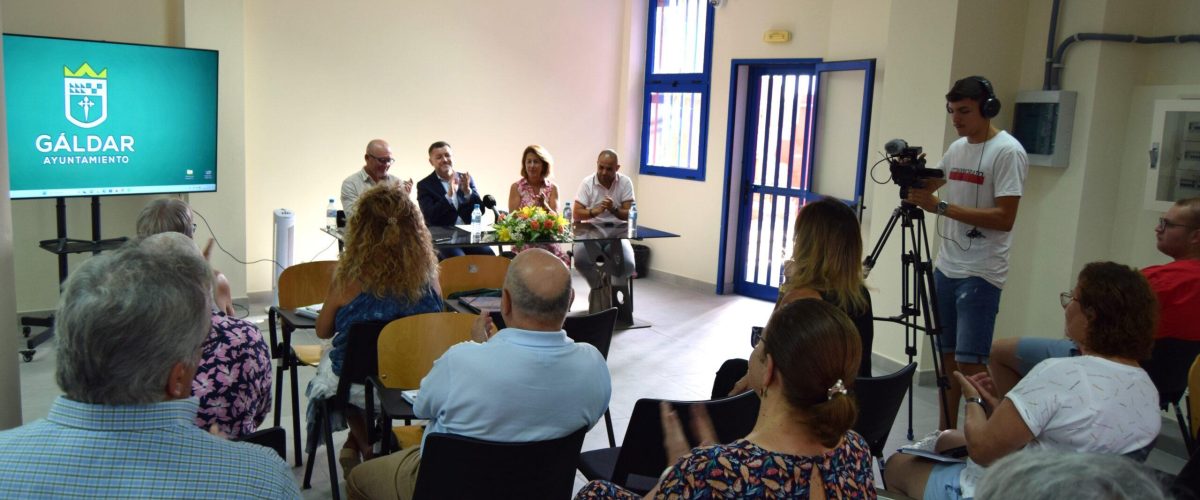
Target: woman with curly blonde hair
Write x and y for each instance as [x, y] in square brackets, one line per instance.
[388, 270]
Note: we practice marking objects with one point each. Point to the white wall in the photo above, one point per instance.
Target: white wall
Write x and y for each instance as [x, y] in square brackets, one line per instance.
[323, 78]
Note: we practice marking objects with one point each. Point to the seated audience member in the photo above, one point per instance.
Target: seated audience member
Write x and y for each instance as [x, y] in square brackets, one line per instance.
[527, 382]
[1110, 314]
[1053, 475]
[174, 215]
[801, 447]
[130, 324]
[378, 160]
[233, 380]
[448, 197]
[1176, 284]
[604, 198]
[387, 271]
[826, 264]
[535, 190]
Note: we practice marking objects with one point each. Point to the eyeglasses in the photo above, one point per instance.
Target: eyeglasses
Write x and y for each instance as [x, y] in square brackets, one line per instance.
[1065, 299]
[386, 161]
[1163, 224]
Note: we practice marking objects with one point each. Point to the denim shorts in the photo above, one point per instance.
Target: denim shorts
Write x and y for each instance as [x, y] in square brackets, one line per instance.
[943, 482]
[1032, 350]
[967, 307]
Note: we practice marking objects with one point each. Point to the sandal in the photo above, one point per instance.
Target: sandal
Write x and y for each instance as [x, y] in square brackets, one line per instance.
[348, 459]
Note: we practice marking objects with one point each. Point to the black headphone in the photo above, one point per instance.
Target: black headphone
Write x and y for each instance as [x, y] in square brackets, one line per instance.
[990, 106]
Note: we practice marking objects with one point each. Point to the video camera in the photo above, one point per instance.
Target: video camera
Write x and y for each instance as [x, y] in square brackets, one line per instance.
[907, 165]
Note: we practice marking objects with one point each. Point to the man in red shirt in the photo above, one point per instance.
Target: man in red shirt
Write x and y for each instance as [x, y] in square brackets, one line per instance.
[1176, 284]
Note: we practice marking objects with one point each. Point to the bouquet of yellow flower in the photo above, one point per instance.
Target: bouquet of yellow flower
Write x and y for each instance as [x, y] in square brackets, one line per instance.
[532, 224]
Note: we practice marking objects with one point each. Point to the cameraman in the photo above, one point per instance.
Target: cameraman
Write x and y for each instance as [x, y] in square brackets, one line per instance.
[985, 173]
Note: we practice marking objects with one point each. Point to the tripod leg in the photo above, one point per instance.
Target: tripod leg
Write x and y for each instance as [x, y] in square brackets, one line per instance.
[927, 297]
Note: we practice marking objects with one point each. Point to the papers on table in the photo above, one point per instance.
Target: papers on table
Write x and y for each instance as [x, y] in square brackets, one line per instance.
[483, 228]
[410, 396]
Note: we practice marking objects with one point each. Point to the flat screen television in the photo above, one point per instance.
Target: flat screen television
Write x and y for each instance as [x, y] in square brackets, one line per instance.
[89, 118]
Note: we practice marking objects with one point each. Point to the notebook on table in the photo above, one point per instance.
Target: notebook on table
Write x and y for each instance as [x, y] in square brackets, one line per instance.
[477, 304]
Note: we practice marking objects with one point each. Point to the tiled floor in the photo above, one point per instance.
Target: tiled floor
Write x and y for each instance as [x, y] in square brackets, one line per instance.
[692, 334]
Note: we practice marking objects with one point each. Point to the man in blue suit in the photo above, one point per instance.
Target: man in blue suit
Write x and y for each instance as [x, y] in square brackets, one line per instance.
[447, 197]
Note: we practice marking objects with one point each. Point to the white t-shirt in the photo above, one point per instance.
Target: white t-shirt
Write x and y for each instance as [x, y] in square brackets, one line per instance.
[1084, 404]
[976, 174]
[591, 192]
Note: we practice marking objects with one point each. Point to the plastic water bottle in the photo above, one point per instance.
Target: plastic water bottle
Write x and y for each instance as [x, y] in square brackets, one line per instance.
[476, 219]
[568, 207]
[331, 215]
[633, 220]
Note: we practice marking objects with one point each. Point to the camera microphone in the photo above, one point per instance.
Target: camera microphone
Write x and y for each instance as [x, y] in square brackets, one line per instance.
[895, 146]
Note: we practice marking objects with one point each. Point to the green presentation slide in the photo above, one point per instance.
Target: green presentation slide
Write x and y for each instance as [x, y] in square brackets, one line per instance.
[93, 118]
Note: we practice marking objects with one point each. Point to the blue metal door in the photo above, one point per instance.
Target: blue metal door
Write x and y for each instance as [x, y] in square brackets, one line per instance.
[787, 123]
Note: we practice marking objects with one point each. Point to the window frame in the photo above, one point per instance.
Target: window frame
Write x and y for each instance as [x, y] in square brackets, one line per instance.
[692, 83]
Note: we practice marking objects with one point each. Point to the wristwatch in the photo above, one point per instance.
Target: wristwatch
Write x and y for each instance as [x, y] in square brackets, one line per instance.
[976, 400]
[942, 206]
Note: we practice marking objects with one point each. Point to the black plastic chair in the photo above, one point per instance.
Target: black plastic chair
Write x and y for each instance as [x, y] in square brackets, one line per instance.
[595, 329]
[274, 438]
[534, 470]
[361, 363]
[879, 400]
[1168, 368]
[637, 463]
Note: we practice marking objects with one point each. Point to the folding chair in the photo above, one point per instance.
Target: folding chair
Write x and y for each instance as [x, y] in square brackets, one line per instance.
[299, 285]
[471, 272]
[639, 460]
[534, 470]
[1168, 368]
[595, 329]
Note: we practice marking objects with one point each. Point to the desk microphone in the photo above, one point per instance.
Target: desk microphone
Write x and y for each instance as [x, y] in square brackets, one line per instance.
[489, 201]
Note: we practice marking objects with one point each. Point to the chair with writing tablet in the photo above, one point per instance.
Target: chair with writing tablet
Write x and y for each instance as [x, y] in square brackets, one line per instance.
[299, 286]
[407, 348]
[471, 272]
[530, 471]
[595, 329]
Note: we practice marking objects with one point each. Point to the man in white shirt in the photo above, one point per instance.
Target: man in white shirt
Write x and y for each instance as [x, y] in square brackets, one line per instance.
[378, 159]
[605, 199]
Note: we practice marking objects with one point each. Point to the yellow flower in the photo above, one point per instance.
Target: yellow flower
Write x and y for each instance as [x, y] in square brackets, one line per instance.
[502, 234]
[528, 211]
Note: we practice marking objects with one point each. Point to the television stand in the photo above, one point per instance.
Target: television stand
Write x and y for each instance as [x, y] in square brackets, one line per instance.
[62, 246]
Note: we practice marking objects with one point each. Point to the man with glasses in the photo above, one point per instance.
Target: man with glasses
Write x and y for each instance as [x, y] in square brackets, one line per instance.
[1176, 285]
[378, 160]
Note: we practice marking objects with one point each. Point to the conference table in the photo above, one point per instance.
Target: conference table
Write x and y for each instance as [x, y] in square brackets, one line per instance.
[460, 236]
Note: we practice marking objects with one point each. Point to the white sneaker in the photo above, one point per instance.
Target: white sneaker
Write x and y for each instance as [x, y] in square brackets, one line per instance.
[927, 443]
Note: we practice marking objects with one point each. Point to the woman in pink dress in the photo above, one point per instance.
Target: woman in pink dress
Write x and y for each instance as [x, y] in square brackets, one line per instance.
[535, 189]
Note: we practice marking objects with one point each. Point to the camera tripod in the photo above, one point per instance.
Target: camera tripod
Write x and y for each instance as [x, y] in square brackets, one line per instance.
[916, 288]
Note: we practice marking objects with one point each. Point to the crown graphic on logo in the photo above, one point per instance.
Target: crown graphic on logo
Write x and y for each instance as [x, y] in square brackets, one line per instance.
[85, 70]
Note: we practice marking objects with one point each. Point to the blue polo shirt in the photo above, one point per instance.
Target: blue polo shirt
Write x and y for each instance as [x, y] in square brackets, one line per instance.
[519, 386]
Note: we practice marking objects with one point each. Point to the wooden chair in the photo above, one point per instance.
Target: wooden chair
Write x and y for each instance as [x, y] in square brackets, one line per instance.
[879, 400]
[595, 329]
[637, 463]
[299, 285]
[1193, 398]
[407, 348]
[535, 470]
[471, 272]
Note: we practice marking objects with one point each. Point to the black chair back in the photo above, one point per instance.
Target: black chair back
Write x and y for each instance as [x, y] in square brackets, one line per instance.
[541, 469]
[595, 329]
[274, 438]
[642, 452]
[362, 358]
[1168, 368]
[879, 400]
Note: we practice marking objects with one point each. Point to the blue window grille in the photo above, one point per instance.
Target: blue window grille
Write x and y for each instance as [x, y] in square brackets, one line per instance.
[675, 108]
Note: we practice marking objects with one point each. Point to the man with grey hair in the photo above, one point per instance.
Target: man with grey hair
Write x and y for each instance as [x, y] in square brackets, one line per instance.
[130, 326]
[527, 382]
[174, 215]
[1051, 475]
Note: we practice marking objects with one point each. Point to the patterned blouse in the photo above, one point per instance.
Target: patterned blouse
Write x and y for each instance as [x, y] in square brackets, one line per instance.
[742, 469]
[233, 381]
[528, 195]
